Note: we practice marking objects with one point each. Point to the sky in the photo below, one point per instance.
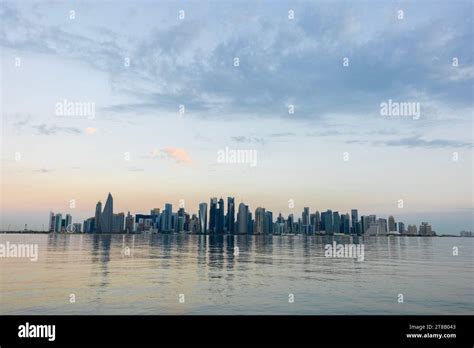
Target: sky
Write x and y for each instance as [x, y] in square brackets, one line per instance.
[298, 84]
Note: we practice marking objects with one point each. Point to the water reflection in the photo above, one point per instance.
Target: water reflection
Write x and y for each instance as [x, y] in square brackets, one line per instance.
[241, 274]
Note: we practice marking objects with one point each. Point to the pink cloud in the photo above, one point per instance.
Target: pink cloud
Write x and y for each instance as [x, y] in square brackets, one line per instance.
[91, 130]
[177, 154]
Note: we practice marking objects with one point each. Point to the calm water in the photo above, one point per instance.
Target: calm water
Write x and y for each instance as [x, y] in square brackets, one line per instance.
[215, 281]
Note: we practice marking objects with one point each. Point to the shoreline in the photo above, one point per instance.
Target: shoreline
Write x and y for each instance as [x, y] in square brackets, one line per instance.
[225, 234]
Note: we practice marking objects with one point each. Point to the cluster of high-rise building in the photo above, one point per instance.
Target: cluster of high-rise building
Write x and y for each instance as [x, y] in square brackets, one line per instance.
[58, 223]
[104, 220]
[216, 218]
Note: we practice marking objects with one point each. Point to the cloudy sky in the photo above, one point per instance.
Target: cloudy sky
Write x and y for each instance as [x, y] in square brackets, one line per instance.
[168, 96]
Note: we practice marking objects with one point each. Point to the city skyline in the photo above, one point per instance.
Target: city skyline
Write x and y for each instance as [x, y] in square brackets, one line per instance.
[214, 218]
[82, 213]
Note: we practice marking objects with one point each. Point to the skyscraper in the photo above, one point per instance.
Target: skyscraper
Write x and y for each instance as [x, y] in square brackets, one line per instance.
[391, 224]
[203, 218]
[401, 228]
[230, 215]
[220, 217]
[355, 219]
[345, 224]
[242, 218]
[412, 230]
[180, 220]
[259, 220]
[51, 222]
[58, 218]
[328, 223]
[89, 225]
[76, 227]
[383, 226]
[213, 215]
[98, 212]
[68, 223]
[174, 222]
[336, 220]
[290, 224]
[317, 221]
[155, 215]
[268, 226]
[194, 224]
[166, 218]
[107, 216]
[250, 223]
[425, 229]
[129, 223]
[118, 222]
[180, 224]
[364, 222]
[155, 211]
[305, 219]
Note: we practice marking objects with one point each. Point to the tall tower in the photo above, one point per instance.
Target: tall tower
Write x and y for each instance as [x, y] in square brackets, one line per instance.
[401, 228]
[98, 212]
[317, 221]
[268, 226]
[213, 215]
[51, 222]
[242, 218]
[346, 228]
[306, 219]
[259, 220]
[328, 222]
[202, 217]
[230, 215]
[391, 224]
[57, 222]
[220, 217]
[355, 220]
[129, 223]
[68, 222]
[167, 218]
[336, 222]
[107, 217]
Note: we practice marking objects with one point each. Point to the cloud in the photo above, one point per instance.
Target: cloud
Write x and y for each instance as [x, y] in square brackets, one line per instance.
[155, 153]
[356, 142]
[22, 121]
[91, 130]
[328, 133]
[417, 141]
[200, 137]
[245, 139]
[281, 135]
[43, 171]
[44, 129]
[177, 154]
[281, 61]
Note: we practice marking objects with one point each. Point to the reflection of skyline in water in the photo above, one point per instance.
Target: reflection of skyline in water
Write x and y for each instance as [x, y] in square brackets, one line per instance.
[256, 280]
